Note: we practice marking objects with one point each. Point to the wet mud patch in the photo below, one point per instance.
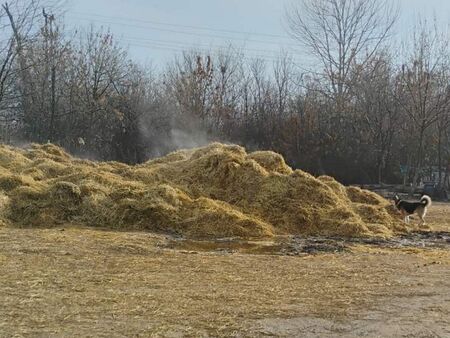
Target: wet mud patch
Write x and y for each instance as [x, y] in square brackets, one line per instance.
[301, 246]
[417, 239]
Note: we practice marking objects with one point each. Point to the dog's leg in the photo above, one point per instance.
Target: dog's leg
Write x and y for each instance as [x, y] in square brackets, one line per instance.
[422, 217]
[405, 219]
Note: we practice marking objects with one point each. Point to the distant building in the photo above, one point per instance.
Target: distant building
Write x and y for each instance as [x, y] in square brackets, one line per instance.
[431, 175]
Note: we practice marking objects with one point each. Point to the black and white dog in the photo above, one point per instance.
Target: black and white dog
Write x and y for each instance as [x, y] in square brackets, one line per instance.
[408, 208]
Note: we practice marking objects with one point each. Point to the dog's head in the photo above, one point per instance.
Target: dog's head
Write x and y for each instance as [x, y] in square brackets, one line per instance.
[396, 199]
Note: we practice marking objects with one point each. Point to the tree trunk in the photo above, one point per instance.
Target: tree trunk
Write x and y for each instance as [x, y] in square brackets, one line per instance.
[439, 158]
[22, 60]
[53, 105]
[417, 169]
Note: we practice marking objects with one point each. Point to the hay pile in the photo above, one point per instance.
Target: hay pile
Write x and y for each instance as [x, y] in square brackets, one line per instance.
[214, 191]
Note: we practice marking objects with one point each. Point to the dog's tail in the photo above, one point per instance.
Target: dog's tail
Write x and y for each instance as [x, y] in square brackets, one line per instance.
[425, 200]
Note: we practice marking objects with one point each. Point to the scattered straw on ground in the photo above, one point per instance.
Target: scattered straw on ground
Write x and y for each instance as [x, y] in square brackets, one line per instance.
[215, 191]
[95, 283]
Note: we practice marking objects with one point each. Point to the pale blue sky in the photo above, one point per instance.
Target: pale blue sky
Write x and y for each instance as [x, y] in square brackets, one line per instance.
[155, 30]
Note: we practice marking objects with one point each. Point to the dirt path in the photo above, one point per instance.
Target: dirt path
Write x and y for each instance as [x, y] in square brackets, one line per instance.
[89, 283]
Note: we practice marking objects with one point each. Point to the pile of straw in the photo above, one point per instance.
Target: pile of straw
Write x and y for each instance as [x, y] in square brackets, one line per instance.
[215, 191]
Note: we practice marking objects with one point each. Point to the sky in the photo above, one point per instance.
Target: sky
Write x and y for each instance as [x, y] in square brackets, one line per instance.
[155, 30]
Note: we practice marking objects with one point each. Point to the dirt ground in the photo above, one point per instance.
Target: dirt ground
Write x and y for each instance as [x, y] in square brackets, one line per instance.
[78, 282]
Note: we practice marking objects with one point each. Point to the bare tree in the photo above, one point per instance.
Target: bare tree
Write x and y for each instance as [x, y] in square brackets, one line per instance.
[377, 111]
[423, 91]
[7, 89]
[17, 20]
[341, 32]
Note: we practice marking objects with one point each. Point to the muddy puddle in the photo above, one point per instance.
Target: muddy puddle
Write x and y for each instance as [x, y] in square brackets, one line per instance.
[297, 246]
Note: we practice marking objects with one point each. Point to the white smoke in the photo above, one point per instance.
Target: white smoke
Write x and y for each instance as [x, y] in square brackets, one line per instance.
[181, 139]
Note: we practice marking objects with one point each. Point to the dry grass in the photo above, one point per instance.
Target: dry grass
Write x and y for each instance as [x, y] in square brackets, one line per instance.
[84, 282]
[438, 216]
[62, 278]
[215, 191]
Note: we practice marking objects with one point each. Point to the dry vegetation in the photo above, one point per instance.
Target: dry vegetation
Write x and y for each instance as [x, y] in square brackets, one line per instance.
[85, 282]
[61, 278]
[215, 191]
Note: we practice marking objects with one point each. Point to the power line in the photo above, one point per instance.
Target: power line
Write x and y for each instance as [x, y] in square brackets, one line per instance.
[180, 49]
[178, 31]
[184, 26]
[178, 46]
[183, 44]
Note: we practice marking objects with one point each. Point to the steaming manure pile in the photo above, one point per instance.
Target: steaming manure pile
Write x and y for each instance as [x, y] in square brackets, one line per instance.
[215, 191]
